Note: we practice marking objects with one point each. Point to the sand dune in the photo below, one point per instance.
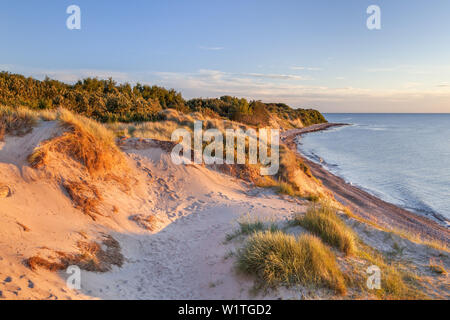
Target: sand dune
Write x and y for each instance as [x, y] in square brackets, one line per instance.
[180, 254]
[183, 257]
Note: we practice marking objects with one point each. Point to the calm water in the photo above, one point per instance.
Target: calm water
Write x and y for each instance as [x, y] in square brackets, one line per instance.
[403, 159]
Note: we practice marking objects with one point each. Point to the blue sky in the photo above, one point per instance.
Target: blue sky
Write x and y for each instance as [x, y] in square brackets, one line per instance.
[305, 53]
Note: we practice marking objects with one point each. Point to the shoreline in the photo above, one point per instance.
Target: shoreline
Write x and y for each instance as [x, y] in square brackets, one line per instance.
[362, 203]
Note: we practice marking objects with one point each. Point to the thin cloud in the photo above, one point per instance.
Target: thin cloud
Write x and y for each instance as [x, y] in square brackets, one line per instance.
[306, 68]
[215, 83]
[211, 48]
[410, 69]
[274, 76]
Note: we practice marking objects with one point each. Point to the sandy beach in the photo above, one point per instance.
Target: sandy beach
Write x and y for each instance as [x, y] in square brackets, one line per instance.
[363, 203]
[171, 227]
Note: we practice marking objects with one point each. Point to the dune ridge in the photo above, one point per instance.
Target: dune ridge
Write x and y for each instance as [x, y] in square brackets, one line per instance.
[169, 232]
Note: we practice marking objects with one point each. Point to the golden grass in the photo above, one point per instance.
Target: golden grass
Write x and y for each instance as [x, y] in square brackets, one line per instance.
[321, 219]
[145, 222]
[85, 197]
[437, 267]
[47, 115]
[295, 178]
[86, 141]
[411, 236]
[290, 163]
[249, 225]
[36, 262]
[397, 281]
[162, 130]
[92, 256]
[286, 188]
[265, 182]
[16, 121]
[278, 258]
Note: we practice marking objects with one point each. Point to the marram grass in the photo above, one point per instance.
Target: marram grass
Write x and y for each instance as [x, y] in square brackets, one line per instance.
[322, 221]
[277, 258]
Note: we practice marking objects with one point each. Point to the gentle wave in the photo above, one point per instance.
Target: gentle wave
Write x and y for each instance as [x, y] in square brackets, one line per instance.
[402, 159]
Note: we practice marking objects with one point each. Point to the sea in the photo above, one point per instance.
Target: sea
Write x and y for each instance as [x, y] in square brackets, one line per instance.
[403, 159]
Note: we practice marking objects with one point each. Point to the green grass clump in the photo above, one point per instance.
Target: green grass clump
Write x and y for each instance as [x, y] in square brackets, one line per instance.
[248, 226]
[277, 258]
[323, 222]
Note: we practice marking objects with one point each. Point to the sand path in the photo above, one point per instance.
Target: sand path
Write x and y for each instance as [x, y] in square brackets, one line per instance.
[186, 259]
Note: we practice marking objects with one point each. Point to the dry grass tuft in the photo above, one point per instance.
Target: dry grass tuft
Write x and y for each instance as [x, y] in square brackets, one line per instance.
[323, 221]
[278, 258]
[397, 281]
[17, 121]
[162, 130]
[249, 225]
[91, 257]
[437, 267]
[85, 197]
[87, 142]
[290, 163]
[265, 182]
[286, 188]
[24, 227]
[405, 234]
[36, 262]
[145, 222]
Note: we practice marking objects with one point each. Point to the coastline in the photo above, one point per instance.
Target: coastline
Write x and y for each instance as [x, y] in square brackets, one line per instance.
[362, 203]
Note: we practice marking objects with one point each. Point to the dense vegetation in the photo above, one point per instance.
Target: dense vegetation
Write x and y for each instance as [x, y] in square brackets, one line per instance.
[307, 116]
[108, 101]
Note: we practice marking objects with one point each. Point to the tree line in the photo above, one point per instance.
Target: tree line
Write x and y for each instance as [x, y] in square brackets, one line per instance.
[108, 101]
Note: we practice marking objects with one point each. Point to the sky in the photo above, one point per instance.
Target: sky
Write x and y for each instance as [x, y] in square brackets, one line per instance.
[315, 53]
